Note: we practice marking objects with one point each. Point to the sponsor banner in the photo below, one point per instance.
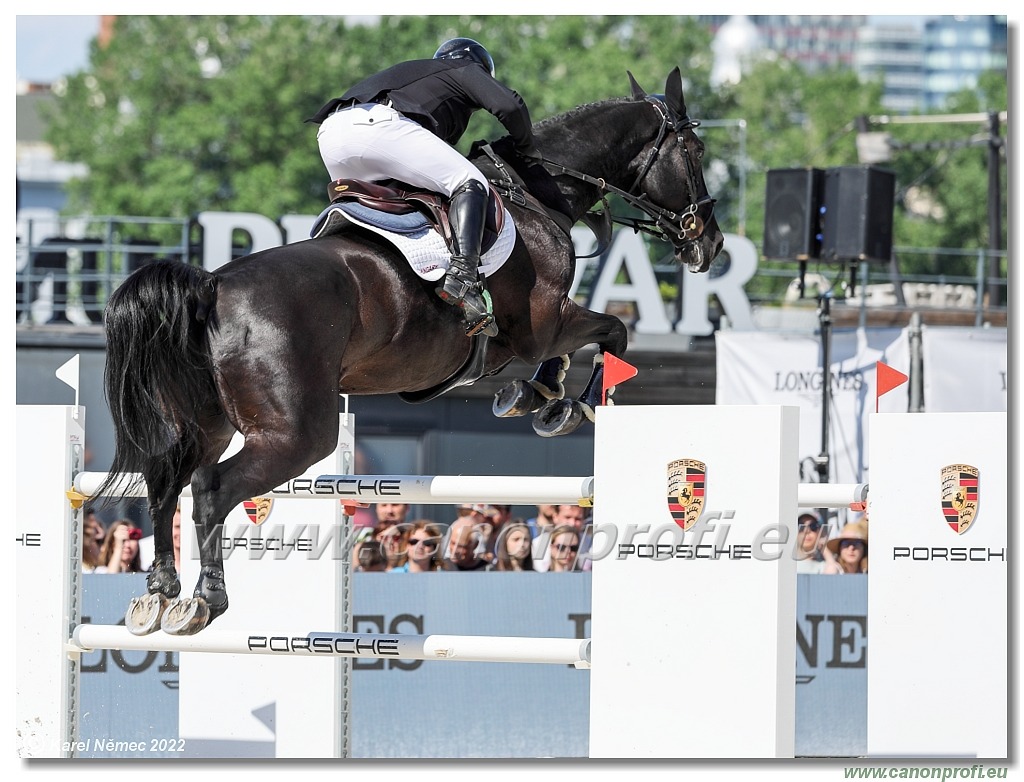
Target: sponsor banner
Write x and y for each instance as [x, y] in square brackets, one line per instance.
[468, 709]
[130, 699]
[964, 370]
[774, 368]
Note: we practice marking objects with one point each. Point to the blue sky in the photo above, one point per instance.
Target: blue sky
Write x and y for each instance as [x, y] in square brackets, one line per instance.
[49, 47]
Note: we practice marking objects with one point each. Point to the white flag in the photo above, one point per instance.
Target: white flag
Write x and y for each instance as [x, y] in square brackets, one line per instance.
[68, 373]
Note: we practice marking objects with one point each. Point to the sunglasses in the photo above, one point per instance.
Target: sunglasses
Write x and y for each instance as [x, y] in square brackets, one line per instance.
[845, 543]
[813, 527]
[427, 542]
[562, 547]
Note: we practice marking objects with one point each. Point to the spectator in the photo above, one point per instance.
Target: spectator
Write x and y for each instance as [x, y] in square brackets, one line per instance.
[176, 538]
[544, 520]
[514, 548]
[120, 552]
[386, 515]
[392, 538]
[498, 516]
[371, 558]
[92, 541]
[564, 549]
[423, 553]
[389, 514]
[850, 549]
[574, 516]
[465, 548]
[809, 545]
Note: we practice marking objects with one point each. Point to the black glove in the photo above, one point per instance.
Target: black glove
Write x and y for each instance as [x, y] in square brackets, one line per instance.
[530, 153]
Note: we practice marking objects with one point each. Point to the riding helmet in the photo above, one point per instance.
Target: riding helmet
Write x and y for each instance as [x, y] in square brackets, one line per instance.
[465, 48]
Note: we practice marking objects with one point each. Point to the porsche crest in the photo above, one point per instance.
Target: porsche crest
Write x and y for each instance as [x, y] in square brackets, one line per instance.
[686, 479]
[258, 508]
[959, 496]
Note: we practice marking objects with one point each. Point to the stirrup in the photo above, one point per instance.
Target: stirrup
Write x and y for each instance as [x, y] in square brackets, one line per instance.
[485, 325]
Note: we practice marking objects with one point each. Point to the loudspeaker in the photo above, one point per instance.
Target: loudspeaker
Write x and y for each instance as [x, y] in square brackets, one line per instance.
[791, 207]
[857, 220]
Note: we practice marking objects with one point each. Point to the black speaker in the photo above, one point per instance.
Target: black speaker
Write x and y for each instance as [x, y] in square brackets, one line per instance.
[791, 206]
[857, 221]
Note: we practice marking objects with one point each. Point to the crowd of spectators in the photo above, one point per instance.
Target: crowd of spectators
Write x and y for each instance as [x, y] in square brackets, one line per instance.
[482, 537]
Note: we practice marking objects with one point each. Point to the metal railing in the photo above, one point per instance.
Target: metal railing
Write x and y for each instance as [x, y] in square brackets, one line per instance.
[67, 267]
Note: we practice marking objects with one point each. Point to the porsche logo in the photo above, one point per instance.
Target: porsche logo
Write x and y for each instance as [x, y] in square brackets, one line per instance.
[258, 508]
[686, 478]
[959, 496]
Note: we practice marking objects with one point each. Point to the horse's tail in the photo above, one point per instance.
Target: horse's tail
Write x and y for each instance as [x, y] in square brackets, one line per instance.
[158, 376]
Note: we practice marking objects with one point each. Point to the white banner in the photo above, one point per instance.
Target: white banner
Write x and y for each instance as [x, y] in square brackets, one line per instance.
[964, 370]
[776, 368]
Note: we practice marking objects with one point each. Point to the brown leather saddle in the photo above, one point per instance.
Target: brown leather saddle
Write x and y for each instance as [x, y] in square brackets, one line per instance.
[397, 198]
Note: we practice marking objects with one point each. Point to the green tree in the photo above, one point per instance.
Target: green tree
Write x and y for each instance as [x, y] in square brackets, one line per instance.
[187, 113]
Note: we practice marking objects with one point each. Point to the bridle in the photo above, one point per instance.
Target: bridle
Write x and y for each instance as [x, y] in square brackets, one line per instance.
[676, 227]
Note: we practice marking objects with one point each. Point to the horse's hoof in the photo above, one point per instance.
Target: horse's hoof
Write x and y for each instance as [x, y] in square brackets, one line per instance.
[185, 616]
[515, 399]
[144, 614]
[558, 417]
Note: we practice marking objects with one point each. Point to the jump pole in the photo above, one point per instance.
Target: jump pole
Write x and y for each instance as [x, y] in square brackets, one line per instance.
[456, 489]
[454, 648]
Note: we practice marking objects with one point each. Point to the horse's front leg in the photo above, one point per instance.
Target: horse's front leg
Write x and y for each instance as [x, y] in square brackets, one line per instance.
[563, 416]
[520, 397]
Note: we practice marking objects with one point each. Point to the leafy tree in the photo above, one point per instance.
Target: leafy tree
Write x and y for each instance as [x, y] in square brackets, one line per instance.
[180, 114]
[187, 113]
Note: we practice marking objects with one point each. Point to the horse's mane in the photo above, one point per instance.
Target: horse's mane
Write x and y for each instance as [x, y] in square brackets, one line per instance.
[568, 116]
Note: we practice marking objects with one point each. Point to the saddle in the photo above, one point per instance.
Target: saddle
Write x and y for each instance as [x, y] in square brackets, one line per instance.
[408, 206]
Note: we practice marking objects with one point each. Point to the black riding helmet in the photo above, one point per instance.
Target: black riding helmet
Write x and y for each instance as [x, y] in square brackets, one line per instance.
[465, 48]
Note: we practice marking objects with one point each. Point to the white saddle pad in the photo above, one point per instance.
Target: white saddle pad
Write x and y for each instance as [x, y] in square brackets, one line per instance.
[428, 254]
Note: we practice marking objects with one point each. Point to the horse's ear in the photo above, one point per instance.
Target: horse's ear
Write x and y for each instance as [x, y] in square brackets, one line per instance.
[638, 92]
[674, 93]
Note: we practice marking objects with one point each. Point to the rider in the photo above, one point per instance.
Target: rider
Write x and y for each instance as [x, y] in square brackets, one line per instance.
[401, 123]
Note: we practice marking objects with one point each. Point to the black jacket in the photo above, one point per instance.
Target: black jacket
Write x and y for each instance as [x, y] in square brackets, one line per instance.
[441, 95]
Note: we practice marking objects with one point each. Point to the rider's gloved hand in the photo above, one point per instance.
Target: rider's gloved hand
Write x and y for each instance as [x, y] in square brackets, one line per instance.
[530, 153]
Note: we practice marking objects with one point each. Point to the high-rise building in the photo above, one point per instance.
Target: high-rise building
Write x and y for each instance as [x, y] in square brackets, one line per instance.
[921, 60]
[894, 54]
[957, 50]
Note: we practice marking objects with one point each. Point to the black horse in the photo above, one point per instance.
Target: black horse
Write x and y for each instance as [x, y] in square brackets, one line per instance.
[264, 345]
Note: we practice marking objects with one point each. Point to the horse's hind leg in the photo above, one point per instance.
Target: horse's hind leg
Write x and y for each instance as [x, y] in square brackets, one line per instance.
[520, 397]
[276, 452]
[146, 613]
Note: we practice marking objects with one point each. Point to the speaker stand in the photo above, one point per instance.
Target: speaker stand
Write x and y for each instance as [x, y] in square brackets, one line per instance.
[825, 329]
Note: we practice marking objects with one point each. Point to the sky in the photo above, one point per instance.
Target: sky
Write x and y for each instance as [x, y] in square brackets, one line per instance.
[49, 47]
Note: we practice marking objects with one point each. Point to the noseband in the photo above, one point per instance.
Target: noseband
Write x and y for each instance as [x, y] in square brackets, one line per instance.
[675, 227]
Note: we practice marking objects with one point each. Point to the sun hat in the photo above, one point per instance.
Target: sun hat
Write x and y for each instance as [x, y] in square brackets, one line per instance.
[855, 530]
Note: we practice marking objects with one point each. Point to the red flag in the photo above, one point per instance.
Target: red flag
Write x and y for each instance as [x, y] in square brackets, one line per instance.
[615, 371]
[886, 379]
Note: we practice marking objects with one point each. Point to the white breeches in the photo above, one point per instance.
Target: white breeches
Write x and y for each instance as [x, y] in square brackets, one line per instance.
[372, 142]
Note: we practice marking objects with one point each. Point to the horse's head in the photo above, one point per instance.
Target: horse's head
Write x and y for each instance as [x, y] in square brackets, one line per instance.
[669, 174]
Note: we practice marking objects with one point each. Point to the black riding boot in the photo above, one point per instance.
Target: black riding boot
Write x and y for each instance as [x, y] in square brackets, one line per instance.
[462, 286]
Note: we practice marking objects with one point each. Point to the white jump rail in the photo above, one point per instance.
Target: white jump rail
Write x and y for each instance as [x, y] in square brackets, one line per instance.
[456, 648]
[456, 489]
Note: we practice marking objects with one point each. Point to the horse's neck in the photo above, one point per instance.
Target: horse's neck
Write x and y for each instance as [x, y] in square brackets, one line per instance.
[601, 141]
